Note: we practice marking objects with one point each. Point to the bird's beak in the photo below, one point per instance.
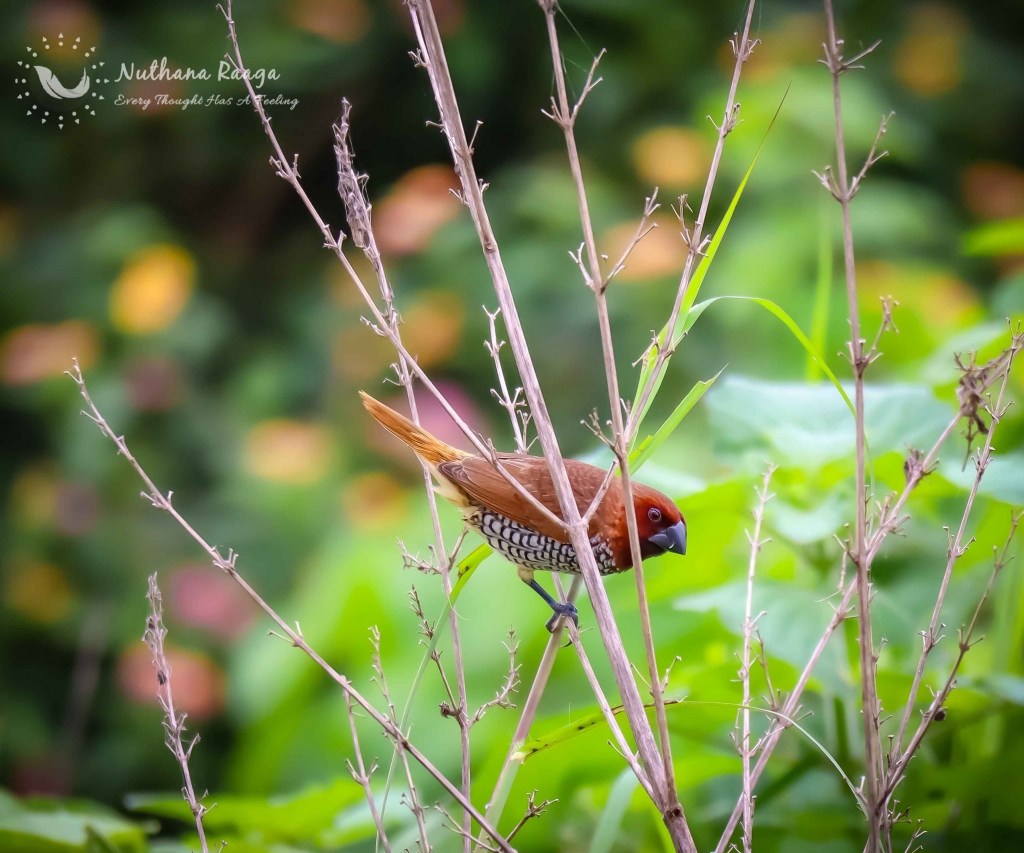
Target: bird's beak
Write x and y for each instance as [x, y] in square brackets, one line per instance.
[673, 539]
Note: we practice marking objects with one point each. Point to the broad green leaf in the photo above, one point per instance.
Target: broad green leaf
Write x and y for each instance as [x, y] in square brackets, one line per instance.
[1004, 237]
[647, 368]
[1003, 480]
[822, 293]
[793, 621]
[293, 817]
[608, 824]
[810, 426]
[650, 444]
[39, 825]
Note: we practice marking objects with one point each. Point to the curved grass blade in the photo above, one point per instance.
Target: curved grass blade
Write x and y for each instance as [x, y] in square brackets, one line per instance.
[790, 324]
[698, 279]
[650, 444]
[591, 721]
[608, 824]
[465, 571]
[822, 294]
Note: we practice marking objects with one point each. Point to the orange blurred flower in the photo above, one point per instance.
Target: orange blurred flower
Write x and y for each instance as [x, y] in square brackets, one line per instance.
[38, 590]
[415, 208]
[374, 501]
[928, 59]
[342, 21]
[197, 683]
[662, 252]
[152, 290]
[287, 451]
[994, 190]
[671, 157]
[32, 353]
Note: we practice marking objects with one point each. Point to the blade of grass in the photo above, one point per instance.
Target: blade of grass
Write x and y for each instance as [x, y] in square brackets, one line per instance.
[650, 444]
[790, 324]
[822, 295]
[595, 720]
[608, 824]
[697, 280]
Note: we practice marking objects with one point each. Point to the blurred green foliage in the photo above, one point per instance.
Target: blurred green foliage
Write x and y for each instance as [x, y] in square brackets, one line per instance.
[158, 247]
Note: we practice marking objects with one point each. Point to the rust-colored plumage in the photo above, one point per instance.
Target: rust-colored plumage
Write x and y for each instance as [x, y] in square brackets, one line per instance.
[513, 526]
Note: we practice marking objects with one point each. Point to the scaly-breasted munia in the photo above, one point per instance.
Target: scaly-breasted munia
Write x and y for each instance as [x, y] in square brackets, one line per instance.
[517, 529]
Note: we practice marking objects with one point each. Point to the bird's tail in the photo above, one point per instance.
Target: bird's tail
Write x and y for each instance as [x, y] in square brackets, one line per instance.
[430, 449]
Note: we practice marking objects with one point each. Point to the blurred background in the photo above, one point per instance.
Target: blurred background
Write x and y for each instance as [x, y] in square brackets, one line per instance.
[154, 243]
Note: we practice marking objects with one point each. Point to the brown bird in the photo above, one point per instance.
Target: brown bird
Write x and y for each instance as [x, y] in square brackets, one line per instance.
[517, 529]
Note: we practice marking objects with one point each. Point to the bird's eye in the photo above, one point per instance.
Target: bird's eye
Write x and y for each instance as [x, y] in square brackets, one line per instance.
[654, 514]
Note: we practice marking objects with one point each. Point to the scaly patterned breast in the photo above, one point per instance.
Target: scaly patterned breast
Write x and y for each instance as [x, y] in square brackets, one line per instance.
[533, 550]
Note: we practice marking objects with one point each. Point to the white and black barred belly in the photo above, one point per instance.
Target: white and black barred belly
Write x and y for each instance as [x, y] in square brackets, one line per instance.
[533, 550]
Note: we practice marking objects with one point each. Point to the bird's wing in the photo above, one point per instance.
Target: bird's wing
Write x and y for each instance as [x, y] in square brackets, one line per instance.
[479, 479]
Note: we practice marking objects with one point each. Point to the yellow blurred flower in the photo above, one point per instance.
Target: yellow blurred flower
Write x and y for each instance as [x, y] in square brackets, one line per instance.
[342, 21]
[37, 590]
[432, 327]
[943, 300]
[415, 208]
[32, 353]
[928, 59]
[671, 157]
[662, 252]
[152, 290]
[374, 501]
[287, 451]
[34, 495]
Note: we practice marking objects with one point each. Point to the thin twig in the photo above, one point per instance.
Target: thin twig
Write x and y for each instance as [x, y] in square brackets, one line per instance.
[609, 716]
[743, 745]
[533, 809]
[173, 722]
[843, 192]
[293, 635]
[511, 403]
[362, 775]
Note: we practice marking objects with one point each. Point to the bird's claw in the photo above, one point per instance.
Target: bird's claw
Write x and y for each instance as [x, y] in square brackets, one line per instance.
[563, 608]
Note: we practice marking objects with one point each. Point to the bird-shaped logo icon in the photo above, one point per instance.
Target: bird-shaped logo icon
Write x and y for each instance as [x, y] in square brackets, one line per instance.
[55, 89]
[517, 530]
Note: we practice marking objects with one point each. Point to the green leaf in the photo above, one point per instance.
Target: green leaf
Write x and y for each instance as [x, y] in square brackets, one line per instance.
[608, 824]
[647, 368]
[650, 444]
[293, 817]
[41, 825]
[822, 294]
[1004, 237]
[810, 426]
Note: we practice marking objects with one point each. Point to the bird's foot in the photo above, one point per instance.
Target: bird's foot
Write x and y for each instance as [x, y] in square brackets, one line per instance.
[563, 608]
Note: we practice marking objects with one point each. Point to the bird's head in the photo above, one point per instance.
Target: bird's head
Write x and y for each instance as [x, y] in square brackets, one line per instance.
[661, 525]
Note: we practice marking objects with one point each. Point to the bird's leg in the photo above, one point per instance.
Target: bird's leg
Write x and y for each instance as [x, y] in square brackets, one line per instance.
[560, 608]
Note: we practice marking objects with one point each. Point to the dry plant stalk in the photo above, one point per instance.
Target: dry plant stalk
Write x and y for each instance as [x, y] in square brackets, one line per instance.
[173, 722]
[292, 635]
[743, 745]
